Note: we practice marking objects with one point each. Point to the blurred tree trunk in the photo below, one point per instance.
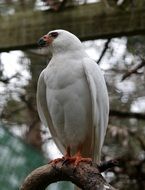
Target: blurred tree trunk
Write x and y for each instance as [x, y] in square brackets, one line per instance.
[33, 135]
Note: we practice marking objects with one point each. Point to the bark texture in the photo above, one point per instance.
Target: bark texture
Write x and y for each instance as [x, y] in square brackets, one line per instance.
[86, 176]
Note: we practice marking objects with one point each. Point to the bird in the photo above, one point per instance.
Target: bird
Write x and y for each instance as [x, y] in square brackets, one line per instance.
[72, 97]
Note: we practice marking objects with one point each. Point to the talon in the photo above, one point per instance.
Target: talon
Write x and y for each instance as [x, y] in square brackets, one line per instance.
[81, 159]
[56, 161]
[76, 159]
[66, 161]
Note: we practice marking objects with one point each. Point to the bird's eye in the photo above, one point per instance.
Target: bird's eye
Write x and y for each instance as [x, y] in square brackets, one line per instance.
[54, 34]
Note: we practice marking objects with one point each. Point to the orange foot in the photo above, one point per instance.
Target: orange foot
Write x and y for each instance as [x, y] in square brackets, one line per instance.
[76, 159]
[68, 159]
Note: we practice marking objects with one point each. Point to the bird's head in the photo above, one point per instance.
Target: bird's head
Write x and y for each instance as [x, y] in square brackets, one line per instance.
[60, 41]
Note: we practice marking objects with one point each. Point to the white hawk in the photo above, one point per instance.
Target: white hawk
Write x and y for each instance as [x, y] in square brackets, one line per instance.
[72, 97]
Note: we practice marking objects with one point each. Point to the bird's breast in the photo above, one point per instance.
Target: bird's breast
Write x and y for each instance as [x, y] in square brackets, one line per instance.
[69, 103]
[62, 75]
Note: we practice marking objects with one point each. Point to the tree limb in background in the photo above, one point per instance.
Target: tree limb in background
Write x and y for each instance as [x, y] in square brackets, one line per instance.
[104, 50]
[134, 70]
[87, 176]
[127, 114]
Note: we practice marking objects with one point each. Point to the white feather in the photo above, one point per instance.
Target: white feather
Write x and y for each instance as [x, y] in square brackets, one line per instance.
[100, 105]
[72, 98]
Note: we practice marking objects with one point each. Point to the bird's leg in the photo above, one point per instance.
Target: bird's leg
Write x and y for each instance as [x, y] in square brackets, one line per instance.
[67, 158]
[67, 152]
[76, 159]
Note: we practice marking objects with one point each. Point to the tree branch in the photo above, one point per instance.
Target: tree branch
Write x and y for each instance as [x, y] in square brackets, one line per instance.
[86, 176]
[127, 114]
[104, 50]
[133, 70]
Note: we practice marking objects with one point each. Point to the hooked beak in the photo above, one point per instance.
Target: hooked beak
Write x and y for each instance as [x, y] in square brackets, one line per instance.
[41, 42]
[44, 41]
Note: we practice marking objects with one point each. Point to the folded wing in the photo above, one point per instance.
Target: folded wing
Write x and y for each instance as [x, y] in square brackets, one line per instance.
[44, 111]
[100, 105]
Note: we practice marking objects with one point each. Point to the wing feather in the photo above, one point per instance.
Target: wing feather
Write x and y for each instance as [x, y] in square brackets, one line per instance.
[44, 111]
[100, 105]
